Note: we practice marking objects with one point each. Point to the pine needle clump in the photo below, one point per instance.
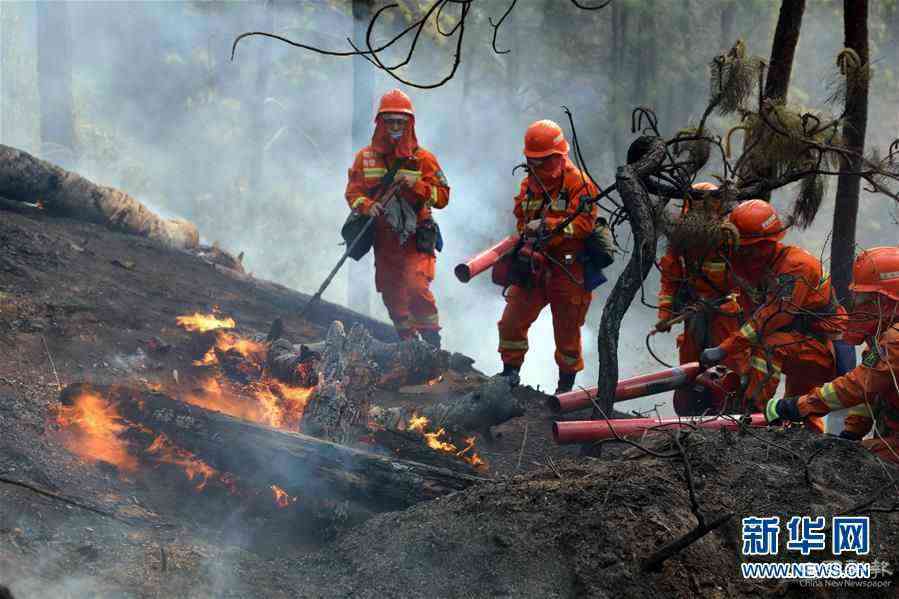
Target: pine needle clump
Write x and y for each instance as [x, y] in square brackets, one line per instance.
[734, 77]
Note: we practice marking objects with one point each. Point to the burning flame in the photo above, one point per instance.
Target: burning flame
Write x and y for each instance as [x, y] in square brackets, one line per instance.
[437, 441]
[282, 499]
[272, 403]
[435, 380]
[200, 323]
[165, 451]
[91, 431]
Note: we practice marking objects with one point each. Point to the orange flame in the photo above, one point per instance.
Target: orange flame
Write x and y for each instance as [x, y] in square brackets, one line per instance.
[435, 380]
[282, 499]
[272, 403]
[200, 323]
[92, 428]
[437, 441]
[165, 451]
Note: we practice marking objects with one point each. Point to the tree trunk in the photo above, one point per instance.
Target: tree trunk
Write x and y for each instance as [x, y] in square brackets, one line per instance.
[642, 218]
[842, 249]
[54, 67]
[258, 129]
[786, 38]
[297, 463]
[359, 274]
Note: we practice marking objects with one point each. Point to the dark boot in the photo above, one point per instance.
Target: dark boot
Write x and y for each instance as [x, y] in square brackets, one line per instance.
[566, 382]
[511, 373]
[431, 337]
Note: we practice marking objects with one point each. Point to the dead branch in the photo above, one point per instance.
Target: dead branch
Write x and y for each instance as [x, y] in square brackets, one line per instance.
[654, 562]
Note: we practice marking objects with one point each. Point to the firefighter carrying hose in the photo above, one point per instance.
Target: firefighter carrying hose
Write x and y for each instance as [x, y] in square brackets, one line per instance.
[405, 235]
[794, 314]
[875, 382]
[550, 265]
[695, 281]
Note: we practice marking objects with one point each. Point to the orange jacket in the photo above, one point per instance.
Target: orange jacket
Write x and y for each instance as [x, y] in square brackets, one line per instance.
[706, 277]
[873, 382]
[430, 191]
[575, 186]
[794, 294]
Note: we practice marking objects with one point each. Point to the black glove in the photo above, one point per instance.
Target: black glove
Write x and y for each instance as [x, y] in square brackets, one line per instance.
[711, 356]
[783, 409]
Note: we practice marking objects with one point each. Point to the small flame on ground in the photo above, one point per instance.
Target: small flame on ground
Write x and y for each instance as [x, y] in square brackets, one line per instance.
[163, 450]
[437, 441]
[282, 499]
[435, 380]
[201, 323]
[92, 428]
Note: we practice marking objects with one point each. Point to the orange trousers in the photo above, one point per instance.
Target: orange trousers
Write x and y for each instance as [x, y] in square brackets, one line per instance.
[403, 276]
[708, 330]
[807, 363]
[569, 303]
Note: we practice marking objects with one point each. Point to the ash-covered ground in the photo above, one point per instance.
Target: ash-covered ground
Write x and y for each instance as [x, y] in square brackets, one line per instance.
[550, 523]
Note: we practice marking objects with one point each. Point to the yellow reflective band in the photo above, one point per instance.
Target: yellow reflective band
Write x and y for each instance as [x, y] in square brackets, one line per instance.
[558, 205]
[861, 410]
[829, 395]
[505, 344]
[531, 204]
[569, 360]
[762, 366]
[404, 171]
[432, 319]
[749, 332]
[569, 230]
[432, 201]
[358, 202]
[714, 266]
[374, 172]
[666, 299]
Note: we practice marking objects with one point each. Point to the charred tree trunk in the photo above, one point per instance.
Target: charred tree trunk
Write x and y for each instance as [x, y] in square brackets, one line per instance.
[297, 463]
[54, 68]
[842, 249]
[786, 38]
[24, 178]
[642, 217]
[359, 274]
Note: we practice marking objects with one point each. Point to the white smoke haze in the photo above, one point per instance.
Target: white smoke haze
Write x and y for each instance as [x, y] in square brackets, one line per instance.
[164, 114]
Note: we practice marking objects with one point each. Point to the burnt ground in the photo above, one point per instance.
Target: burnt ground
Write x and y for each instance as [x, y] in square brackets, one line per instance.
[550, 524]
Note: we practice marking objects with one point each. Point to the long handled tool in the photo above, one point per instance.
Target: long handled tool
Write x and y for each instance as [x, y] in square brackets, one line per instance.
[586, 431]
[390, 194]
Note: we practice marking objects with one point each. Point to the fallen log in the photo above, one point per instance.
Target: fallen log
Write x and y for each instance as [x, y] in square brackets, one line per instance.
[24, 178]
[299, 464]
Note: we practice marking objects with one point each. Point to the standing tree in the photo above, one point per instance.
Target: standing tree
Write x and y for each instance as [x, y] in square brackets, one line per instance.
[854, 64]
[360, 273]
[786, 38]
[54, 67]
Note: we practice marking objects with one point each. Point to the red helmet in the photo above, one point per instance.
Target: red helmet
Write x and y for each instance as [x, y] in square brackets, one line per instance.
[757, 221]
[704, 186]
[877, 271]
[544, 138]
[396, 101]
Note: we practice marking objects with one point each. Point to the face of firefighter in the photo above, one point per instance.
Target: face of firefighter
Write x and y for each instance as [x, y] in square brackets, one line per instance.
[396, 125]
[871, 313]
[751, 261]
[548, 169]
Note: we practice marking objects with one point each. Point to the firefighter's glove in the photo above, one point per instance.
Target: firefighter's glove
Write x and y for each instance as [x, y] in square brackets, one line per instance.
[533, 227]
[711, 356]
[782, 409]
[663, 326]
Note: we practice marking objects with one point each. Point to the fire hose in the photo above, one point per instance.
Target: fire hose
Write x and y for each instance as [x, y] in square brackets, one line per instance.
[586, 431]
[697, 390]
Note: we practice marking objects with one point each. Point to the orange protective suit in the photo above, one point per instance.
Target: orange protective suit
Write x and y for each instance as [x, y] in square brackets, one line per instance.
[794, 319]
[688, 280]
[872, 384]
[403, 274]
[567, 299]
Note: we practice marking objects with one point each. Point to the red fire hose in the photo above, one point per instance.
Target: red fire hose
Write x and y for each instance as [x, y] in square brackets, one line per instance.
[486, 259]
[585, 431]
[638, 386]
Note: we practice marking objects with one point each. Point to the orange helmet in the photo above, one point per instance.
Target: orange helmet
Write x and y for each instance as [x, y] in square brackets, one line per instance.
[757, 221]
[396, 101]
[704, 186]
[544, 138]
[877, 271]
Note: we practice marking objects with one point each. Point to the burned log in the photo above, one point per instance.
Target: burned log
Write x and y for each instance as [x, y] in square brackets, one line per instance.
[24, 178]
[299, 464]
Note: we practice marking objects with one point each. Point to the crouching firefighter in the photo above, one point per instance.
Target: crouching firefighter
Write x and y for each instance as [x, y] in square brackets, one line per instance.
[695, 284]
[559, 258]
[794, 314]
[397, 182]
[871, 388]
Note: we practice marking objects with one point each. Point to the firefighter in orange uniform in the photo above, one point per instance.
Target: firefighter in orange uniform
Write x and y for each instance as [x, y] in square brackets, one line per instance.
[699, 282]
[795, 316]
[553, 190]
[872, 386]
[405, 233]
